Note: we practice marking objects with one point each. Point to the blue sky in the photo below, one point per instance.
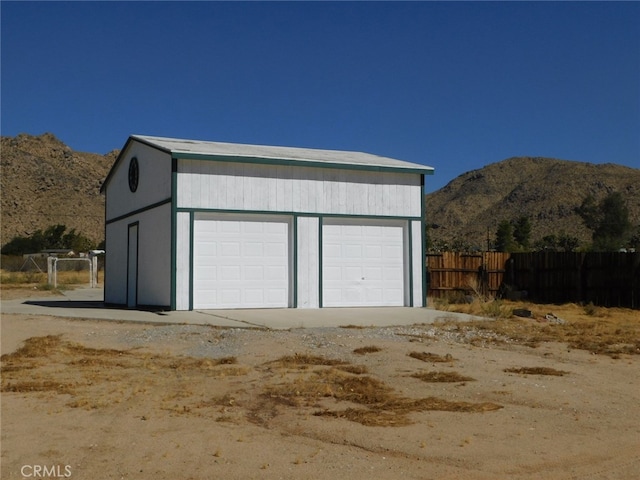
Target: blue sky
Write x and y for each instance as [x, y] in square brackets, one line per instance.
[453, 85]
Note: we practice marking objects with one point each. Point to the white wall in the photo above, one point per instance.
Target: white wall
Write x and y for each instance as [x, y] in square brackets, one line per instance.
[115, 267]
[308, 262]
[418, 263]
[154, 185]
[154, 258]
[183, 266]
[257, 187]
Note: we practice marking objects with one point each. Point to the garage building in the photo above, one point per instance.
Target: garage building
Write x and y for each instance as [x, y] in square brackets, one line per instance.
[210, 225]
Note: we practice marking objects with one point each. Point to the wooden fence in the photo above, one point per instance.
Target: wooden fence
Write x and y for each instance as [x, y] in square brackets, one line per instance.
[457, 274]
[606, 279]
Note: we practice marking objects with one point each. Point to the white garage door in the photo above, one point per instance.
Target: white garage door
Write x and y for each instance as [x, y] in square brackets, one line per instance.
[363, 265]
[240, 262]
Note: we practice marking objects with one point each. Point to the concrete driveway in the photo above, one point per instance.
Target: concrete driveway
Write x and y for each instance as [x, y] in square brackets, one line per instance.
[88, 303]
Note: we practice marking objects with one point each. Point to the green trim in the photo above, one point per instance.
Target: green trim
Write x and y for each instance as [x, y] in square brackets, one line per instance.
[192, 221]
[138, 211]
[137, 267]
[292, 213]
[300, 163]
[103, 187]
[174, 233]
[410, 247]
[423, 227]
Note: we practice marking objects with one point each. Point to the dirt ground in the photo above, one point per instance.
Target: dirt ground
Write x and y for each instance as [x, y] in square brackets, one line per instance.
[514, 399]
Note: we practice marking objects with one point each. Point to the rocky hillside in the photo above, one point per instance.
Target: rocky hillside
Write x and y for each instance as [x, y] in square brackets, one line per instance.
[44, 182]
[544, 189]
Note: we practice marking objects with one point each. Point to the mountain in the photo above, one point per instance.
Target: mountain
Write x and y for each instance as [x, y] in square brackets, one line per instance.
[548, 191]
[44, 183]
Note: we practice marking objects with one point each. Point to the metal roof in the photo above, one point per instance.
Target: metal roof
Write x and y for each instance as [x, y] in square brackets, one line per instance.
[182, 148]
[293, 156]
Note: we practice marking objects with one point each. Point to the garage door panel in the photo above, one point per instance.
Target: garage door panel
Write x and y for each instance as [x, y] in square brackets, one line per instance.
[227, 249]
[277, 295]
[227, 227]
[375, 273]
[275, 250]
[230, 296]
[352, 251]
[253, 273]
[240, 263]
[373, 251]
[392, 273]
[363, 265]
[275, 273]
[253, 249]
[207, 273]
[254, 296]
[352, 273]
[391, 252]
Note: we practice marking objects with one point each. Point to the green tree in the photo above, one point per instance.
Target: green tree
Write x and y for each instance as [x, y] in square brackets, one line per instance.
[634, 240]
[557, 243]
[522, 232]
[54, 237]
[608, 221]
[504, 237]
[567, 243]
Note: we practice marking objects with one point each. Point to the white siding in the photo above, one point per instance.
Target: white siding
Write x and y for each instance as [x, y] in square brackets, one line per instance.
[281, 188]
[183, 266]
[115, 267]
[154, 258]
[418, 263]
[308, 262]
[154, 184]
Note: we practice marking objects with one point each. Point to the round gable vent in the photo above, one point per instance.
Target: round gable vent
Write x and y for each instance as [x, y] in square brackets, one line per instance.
[134, 174]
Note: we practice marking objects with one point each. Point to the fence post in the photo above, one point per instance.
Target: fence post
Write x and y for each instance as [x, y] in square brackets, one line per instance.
[50, 271]
[94, 271]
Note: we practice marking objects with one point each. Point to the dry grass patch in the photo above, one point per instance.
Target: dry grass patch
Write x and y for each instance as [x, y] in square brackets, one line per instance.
[368, 349]
[441, 377]
[99, 378]
[616, 333]
[370, 418]
[536, 371]
[103, 378]
[34, 347]
[431, 357]
[300, 360]
[330, 383]
[382, 406]
[395, 413]
[29, 386]
[355, 369]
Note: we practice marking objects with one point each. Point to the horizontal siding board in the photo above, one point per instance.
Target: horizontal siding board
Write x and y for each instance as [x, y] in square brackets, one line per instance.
[417, 259]
[183, 239]
[308, 262]
[297, 189]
